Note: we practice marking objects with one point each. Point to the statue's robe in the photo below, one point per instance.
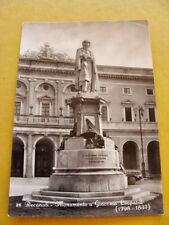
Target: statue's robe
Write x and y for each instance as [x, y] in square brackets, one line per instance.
[85, 69]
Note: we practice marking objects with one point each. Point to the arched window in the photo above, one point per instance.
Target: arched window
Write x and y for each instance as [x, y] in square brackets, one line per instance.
[71, 111]
[18, 107]
[45, 104]
[46, 96]
[21, 98]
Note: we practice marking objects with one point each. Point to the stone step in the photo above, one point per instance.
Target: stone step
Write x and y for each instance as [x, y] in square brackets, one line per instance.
[137, 195]
[88, 194]
[143, 196]
[130, 191]
[38, 196]
[68, 172]
[150, 197]
[80, 194]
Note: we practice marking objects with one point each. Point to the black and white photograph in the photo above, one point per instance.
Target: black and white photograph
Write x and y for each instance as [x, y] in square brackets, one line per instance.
[85, 135]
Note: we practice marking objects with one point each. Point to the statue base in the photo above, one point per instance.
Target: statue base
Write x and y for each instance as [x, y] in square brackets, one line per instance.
[85, 170]
[89, 181]
[89, 186]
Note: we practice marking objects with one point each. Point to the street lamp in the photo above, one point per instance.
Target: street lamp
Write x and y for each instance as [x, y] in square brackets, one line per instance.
[140, 114]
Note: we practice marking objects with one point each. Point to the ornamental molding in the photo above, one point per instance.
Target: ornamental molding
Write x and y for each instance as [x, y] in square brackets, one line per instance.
[148, 103]
[101, 74]
[67, 68]
[127, 102]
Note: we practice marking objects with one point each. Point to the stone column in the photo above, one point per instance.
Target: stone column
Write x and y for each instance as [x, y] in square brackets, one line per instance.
[31, 99]
[100, 122]
[139, 158]
[121, 155]
[60, 138]
[56, 103]
[146, 158]
[58, 98]
[55, 158]
[29, 164]
[25, 161]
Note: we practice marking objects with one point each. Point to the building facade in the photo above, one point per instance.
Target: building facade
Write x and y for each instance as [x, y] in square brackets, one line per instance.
[43, 118]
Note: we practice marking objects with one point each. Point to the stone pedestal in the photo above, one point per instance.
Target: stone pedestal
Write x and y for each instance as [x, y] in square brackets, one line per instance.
[87, 106]
[88, 170]
[91, 181]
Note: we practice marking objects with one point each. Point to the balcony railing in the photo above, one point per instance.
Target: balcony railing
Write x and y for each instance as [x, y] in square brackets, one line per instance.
[46, 120]
[129, 125]
[69, 121]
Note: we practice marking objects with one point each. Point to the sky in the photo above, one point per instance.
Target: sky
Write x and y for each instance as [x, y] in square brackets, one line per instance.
[115, 43]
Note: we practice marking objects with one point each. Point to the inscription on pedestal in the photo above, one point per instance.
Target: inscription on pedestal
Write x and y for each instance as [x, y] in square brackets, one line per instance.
[96, 158]
[93, 158]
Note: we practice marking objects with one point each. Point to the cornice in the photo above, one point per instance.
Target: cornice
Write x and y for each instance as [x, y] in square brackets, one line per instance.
[33, 61]
[68, 71]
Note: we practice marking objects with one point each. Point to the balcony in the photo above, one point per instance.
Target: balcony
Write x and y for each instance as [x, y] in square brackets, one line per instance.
[131, 126]
[67, 122]
[38, 120]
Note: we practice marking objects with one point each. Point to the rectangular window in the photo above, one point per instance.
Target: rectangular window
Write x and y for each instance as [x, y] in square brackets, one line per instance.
[71, 112]
[18, 108]
[104, 113]
[103, 89]
[128, 114]
[151, 112]
[127, 91]
[150, 91]
[45, 109]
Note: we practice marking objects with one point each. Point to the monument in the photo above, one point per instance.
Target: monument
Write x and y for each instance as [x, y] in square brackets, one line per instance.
[88, 166]
[88, 162]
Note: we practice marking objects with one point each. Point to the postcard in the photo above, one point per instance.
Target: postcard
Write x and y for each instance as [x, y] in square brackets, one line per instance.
[85, 136]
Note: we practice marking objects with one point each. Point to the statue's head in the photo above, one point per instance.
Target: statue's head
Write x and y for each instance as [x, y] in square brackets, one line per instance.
[86, 44]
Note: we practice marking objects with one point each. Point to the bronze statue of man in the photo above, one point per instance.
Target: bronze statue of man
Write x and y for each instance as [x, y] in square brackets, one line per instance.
[85, 69]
